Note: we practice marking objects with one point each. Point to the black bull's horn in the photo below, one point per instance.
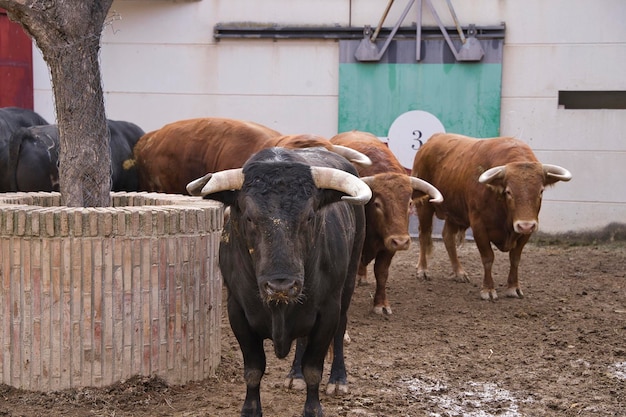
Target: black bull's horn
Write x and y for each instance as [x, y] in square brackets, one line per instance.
[419, 185]
[323, 177]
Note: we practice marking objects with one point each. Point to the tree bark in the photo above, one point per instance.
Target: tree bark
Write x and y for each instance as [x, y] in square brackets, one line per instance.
[68, 34]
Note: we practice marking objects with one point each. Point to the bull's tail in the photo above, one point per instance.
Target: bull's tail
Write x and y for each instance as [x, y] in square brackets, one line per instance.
[425, 212]
[427, 245]
[425, 199]
[15, 145]
[460, 237]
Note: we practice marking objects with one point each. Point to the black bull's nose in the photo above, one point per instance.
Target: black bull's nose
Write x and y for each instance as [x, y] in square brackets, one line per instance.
[280, 289]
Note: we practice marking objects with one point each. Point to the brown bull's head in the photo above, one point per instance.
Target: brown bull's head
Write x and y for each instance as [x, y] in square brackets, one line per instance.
[388, 210]
[521, 184]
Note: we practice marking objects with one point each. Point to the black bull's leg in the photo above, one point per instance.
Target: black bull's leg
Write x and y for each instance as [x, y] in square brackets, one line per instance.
[254, 360]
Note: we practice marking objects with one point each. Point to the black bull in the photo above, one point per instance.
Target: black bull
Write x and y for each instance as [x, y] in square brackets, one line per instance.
[289, 256]
[34, 157]
[11, 119]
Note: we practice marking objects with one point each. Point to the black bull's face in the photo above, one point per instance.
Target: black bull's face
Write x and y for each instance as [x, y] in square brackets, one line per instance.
[276, 244]
[278, 233]
[283, 222]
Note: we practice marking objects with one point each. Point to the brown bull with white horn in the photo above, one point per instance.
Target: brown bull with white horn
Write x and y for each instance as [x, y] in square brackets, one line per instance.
[167, 159]
[387, 213]
[494, 186]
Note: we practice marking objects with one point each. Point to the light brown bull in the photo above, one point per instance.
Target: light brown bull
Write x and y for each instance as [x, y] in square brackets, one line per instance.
[492, 185]
[387, 213]
[169, 158]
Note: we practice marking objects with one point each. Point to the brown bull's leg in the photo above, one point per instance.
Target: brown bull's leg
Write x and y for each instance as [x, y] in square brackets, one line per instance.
[488, 291]
[449, 234]
[362, 273]
[381, 272]
[425, 213]
[513, 288]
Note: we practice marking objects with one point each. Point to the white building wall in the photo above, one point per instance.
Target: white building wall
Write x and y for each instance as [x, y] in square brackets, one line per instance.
[160, 63]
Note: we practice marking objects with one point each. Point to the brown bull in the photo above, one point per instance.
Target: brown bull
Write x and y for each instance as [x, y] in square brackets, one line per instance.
[303, 141]
[493, 186]
[387, 213]
[169, 158]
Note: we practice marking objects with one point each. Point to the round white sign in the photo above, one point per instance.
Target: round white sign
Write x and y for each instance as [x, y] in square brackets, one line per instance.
[409, 132]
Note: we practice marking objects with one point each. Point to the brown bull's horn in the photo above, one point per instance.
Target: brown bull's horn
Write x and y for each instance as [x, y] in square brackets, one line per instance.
[426, 187]
[230, 179]
[491, 174]
[352, 155]
[336, 179]
[557, 172]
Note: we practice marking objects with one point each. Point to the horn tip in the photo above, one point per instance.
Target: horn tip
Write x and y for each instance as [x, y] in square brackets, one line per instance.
[195, 187]
[361, 201]
[364, 162]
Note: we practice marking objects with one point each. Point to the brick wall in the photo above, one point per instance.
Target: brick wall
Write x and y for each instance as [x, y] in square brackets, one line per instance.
[92, 296]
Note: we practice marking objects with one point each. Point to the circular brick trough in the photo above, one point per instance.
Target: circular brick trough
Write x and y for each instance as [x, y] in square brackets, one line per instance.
[93, 296]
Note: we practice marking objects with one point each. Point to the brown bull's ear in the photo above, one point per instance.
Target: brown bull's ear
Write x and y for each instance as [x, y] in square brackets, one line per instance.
[497, 188]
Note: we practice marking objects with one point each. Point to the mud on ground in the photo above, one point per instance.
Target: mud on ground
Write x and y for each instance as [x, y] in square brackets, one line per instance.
[560, 351]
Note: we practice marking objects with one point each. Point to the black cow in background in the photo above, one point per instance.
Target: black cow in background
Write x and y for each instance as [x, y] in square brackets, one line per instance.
[34, 157]
[11, 119]
[289, 256]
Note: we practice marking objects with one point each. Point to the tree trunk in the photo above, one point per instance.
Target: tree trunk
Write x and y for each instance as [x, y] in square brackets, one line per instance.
[68, 34]
[84, 158]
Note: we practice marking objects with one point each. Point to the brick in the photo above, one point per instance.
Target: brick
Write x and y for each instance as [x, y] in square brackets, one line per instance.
[107, 292]
[64, 223]
[93, 216]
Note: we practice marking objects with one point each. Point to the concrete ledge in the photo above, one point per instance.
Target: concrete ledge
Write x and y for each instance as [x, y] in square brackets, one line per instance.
[93, 296]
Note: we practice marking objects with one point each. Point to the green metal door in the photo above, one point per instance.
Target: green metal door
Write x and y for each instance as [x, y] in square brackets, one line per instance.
[464, 97]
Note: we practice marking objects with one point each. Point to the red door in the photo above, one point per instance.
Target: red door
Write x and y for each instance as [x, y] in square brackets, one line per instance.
[16, 65]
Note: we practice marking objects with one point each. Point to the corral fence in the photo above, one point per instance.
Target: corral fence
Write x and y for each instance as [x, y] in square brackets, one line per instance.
[93, 296]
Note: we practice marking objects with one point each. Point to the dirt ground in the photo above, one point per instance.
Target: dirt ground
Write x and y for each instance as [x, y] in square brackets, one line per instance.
[560, 351]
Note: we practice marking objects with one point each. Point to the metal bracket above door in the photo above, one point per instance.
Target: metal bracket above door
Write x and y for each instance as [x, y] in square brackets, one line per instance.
[367, 49]
[471, 49]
